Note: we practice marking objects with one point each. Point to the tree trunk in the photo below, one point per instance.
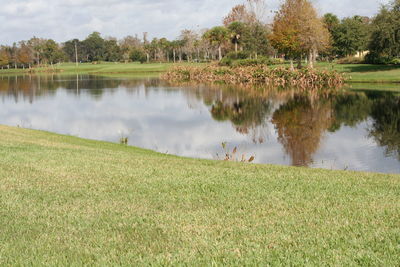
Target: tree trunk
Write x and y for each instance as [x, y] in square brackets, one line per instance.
[299, 66]
[174, 52]
[314, 53]
[291, 65]
[310, 60]
[236, 47]
[220, 53]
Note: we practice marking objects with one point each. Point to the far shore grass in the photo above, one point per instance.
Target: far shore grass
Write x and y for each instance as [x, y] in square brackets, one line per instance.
[356, 73]
[384, 87]
[101, 68]
[366, 73]
[66, 201]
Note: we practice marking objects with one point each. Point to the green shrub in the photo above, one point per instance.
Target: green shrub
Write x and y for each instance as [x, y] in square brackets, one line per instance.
[395, 61]
[238, 55]
[249, 62]
[255, 62]
[243, 59]
[350, 60]
[138, 55]
[226, 62]
[231, 57]
[375, 58]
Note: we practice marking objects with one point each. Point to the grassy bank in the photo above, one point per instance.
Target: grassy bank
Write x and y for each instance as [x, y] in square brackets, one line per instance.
[69, 201]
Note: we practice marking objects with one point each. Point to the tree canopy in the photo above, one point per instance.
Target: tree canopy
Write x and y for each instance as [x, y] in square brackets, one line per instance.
[385, 36]
[298, 30]
[217, 36]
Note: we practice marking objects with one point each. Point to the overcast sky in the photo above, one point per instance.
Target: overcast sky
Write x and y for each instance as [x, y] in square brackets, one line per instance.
[66, 19]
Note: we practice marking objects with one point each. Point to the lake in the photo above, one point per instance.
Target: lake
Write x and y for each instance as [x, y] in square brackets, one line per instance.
[351, 130]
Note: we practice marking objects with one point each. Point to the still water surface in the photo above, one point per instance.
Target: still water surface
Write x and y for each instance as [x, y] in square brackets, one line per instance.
[351, 130]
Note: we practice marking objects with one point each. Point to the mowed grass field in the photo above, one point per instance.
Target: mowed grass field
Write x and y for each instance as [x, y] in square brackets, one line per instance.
[103, 68]
[383, 87]
[356, 73]
[69, 201]
[366, 73]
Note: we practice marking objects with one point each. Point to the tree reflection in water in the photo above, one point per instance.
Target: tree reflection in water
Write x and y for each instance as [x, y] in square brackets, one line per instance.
[301, 124]
[36, 86]
[386, 123]
[302, 120]
[248, 116]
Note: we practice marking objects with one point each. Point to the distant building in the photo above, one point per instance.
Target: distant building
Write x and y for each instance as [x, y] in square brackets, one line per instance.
[361, 54]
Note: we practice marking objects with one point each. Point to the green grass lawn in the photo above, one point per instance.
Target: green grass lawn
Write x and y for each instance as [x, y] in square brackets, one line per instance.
[69, 201]
[106, 68]
[366, 73]
[384, 87]
[112, 68]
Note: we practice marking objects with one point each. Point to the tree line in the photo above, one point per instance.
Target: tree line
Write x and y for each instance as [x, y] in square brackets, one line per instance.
[296, 33]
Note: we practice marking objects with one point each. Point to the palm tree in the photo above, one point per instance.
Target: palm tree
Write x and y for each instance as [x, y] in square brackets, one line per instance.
[237, 30]
[175, 46]
[218, 36]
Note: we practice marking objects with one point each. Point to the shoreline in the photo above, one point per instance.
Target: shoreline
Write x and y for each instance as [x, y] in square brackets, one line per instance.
[188, 158]
[159, 68]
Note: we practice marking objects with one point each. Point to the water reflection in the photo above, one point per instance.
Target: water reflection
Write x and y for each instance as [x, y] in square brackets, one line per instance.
[248, 115]
[386, 123]
[31, 87]
[354, 130]
[301, 123]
